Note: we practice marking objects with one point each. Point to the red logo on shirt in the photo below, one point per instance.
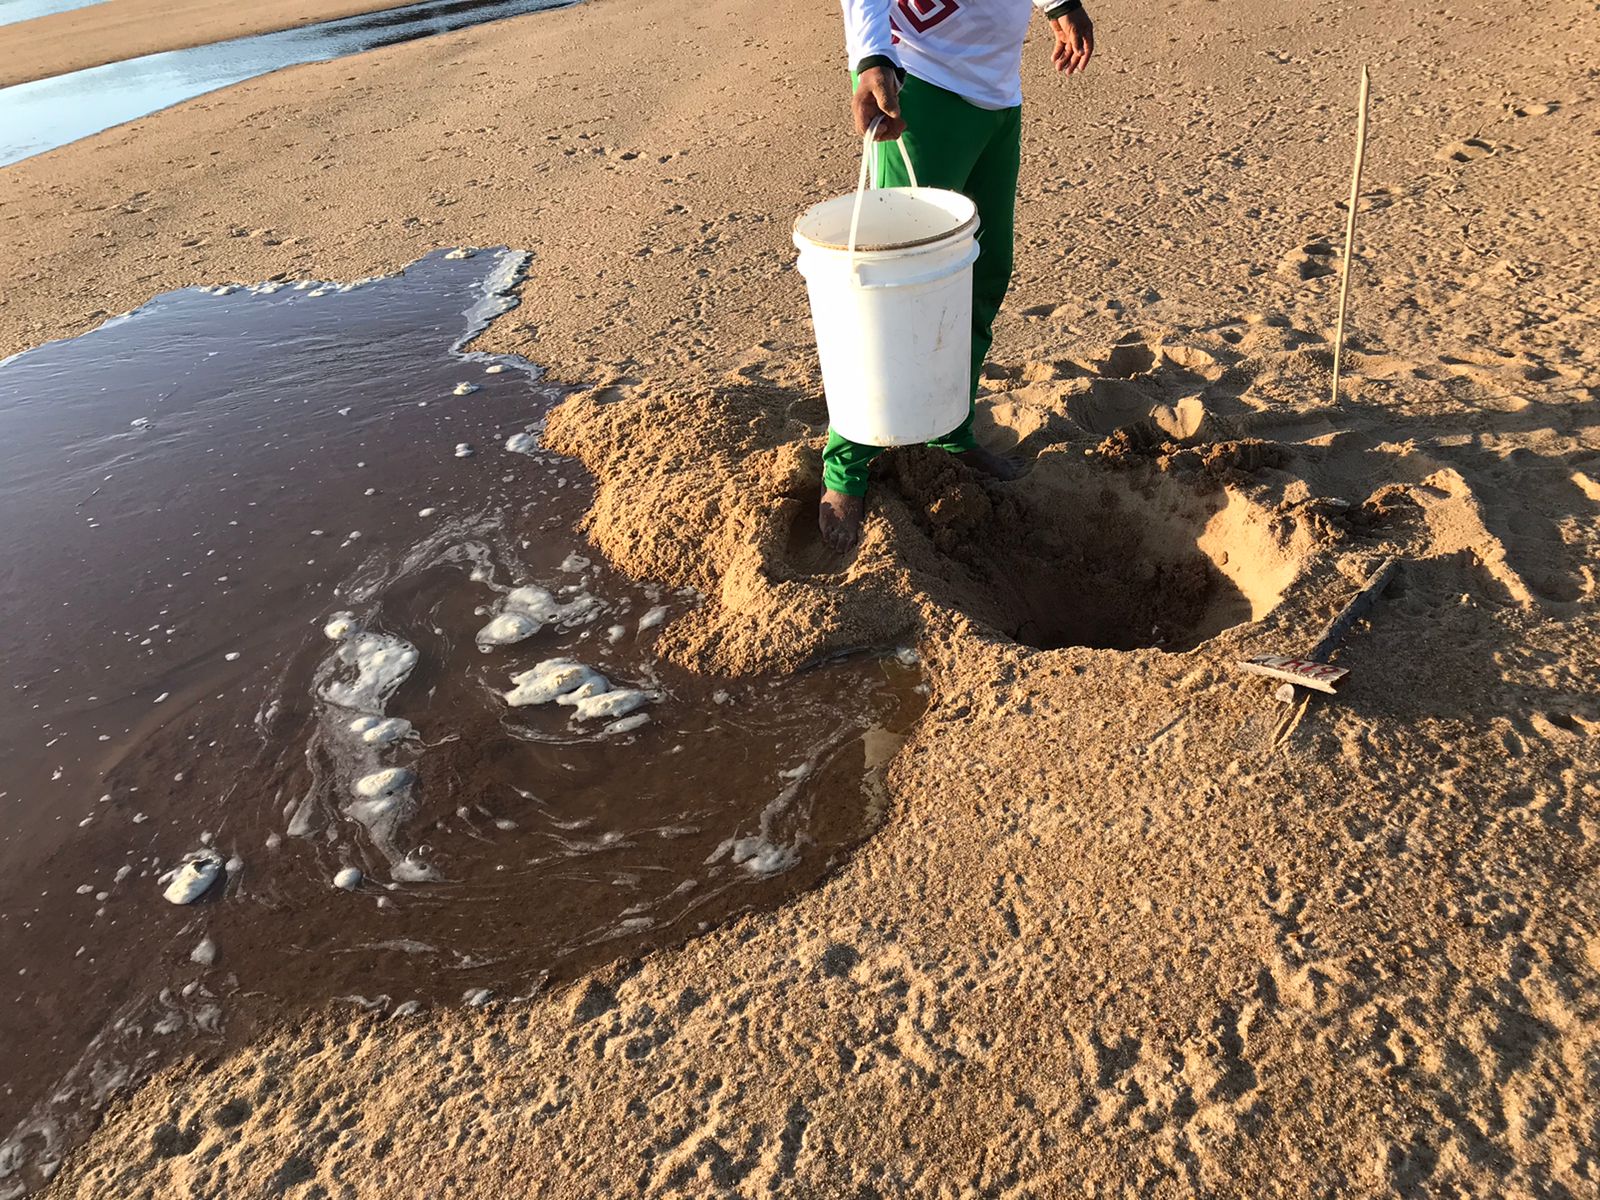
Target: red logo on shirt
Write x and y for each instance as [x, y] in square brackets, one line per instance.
[923, 15]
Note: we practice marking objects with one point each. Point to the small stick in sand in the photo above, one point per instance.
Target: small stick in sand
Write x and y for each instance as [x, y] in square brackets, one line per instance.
[1350, 229]
[1311, 670]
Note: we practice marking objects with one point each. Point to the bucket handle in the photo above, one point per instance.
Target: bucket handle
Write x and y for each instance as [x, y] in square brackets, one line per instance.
[861, 180]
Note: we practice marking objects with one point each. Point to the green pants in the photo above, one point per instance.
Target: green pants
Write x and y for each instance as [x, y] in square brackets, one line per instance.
[975, 151]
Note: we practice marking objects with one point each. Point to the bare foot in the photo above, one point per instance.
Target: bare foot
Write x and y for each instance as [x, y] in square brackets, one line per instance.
[987, 462]
[839, 517]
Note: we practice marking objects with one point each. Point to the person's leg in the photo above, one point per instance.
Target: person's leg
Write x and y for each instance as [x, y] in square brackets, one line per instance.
[944, 137]
[845, 463]
[992, 186]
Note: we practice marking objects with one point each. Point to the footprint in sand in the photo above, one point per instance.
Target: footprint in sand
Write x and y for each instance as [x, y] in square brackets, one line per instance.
[1059, 313]
[1469, 150]
[1130, 357]
[1022, 420]
[1109, 405]
[1314, 260]
[1181, 421]
[1191, 361]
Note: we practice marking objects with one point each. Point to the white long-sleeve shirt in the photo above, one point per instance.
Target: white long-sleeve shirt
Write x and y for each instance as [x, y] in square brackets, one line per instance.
[970, 47]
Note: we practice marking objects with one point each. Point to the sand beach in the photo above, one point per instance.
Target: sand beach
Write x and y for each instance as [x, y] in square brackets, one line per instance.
[1129, 927]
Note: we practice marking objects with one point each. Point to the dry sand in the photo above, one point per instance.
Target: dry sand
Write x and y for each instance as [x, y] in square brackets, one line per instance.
[1118, 936]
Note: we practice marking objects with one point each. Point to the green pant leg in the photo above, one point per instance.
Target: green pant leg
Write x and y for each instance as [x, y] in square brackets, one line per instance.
[992, 186]
[845, 464]
[945, 137]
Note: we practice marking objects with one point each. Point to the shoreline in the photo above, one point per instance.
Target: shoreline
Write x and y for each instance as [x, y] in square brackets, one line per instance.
[114, 30]
[1114, 935]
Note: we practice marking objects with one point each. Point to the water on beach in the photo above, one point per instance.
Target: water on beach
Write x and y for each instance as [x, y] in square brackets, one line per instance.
[47, 113]
[14, 11]
[315, 696]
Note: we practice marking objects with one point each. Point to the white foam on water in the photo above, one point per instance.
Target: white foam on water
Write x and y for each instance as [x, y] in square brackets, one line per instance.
[626, 725]
[205, 954]
[464, 450]
[763, 854]
[414, 870]
[476, 997]
[461, 252]
[580, 609]
[192, 878]
[464, 388]
[574, 562]
[494, 369]
[382, 801]
[507, 629]
[618, 703]
[342, 624]
[761, 857]
[499, 294]
[385, 731]
[616, 633]
[426, 512]
[349, 879]
[528, 609]
[535, 602]
[597, 686]
[653, 617]
[381, 663]
[522, 443]
[382, 784]
[545, 682]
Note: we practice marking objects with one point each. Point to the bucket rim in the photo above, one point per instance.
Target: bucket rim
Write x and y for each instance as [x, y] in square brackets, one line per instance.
[803, 241]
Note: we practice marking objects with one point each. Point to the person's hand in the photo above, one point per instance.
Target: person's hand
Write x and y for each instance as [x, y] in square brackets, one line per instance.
[878, 95]
[1074, 42]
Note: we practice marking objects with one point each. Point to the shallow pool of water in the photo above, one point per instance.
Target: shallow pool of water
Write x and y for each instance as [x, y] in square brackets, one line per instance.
[192, 494]
[13, 11]
[44, 114]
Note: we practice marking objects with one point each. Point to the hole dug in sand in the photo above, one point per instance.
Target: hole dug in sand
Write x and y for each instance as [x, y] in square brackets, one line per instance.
[1074, 556]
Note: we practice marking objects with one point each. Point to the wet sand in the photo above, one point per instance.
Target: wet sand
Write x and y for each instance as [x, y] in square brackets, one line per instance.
[117, 29]
[279, 556]
[1128, 930]
[50, 113]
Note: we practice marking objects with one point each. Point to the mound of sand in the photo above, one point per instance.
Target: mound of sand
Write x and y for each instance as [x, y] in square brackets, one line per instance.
[1071, 555]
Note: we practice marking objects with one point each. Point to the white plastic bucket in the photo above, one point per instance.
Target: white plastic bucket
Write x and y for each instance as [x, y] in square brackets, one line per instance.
[889, 275]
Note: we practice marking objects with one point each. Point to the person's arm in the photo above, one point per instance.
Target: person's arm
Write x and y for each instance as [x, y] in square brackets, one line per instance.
[869, 43]
[1074, 32]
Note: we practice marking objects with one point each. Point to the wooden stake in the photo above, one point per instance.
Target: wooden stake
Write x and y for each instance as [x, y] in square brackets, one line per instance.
[1350, 229]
